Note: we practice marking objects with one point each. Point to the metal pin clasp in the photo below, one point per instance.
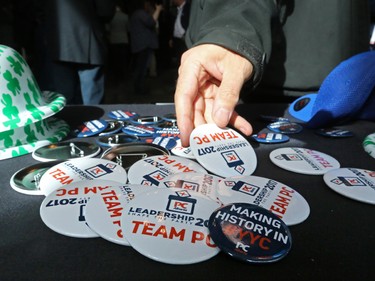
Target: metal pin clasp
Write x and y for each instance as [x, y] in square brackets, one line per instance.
[75, 150]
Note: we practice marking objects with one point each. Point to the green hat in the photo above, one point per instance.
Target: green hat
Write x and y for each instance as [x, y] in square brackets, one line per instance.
[23, 140]
[21, 101]
[26, 121]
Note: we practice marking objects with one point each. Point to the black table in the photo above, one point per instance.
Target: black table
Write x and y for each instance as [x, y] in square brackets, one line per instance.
[336, 242]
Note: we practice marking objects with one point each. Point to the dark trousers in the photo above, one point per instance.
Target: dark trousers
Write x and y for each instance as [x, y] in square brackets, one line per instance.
[141, 62]
[179, 47]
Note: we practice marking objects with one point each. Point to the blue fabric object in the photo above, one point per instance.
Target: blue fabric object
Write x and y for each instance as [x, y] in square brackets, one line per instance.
[346, 94]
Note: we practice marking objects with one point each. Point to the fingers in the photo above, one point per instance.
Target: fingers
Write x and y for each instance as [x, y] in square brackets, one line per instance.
[226, 99]
[241, 124]
[236, 71]
[184, 98]
[208, 89]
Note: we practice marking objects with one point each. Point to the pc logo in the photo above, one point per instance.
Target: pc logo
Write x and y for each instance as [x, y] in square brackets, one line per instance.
[181, 203]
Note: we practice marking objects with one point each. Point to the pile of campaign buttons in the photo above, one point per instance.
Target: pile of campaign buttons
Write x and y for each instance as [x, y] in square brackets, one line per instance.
[128, 127]
[134, 190]
[174, 204]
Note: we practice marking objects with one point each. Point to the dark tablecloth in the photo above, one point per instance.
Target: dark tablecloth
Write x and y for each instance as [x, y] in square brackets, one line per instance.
[336, 242]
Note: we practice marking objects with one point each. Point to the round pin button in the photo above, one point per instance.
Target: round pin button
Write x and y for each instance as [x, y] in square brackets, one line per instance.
[173, 132]
[353, 183]
[369, 144]
[270, 138]
[112, 128]
[26, 180]
[146, 120]
[91, 128]
[63, 210]
[276, 197]
[204, 184]
[128, 154]
[303, 160]
[334, 133]
[152, 170]
[274, 118]
[122, 115]
[170, 225]
[285, 127]
[166, 125]
[171, 117]
[181, 151]
[250, 233]
[114, 140]
[76, 170]
[66, 151]
[139, 130]
[223, 152]
[104, 211]
[166, 142]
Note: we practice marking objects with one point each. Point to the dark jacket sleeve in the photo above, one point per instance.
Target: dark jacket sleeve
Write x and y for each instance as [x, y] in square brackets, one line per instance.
[241, 26]
[105, 9]
[186, 15]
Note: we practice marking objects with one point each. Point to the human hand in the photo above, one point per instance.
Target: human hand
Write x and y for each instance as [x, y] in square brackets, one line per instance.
[159, 7]
[208, 89]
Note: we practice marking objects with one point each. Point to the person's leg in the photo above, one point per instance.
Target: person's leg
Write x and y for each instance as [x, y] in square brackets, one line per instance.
[92, 84]
[142, 60]
[62, 78]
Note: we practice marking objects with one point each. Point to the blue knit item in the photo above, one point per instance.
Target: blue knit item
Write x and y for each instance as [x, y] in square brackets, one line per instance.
[368, 110]
[346, 94]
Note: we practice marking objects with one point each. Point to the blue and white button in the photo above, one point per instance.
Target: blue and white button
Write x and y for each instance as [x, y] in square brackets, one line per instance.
[91, 128]
[250, 233]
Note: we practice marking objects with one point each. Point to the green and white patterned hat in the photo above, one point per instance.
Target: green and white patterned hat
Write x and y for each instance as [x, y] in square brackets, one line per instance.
[21, 101]
[23, 140]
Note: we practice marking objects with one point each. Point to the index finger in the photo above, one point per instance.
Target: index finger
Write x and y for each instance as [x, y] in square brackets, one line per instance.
[186, 92]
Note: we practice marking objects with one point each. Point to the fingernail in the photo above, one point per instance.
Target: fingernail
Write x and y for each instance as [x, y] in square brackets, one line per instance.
[245, 130]
[222, 117]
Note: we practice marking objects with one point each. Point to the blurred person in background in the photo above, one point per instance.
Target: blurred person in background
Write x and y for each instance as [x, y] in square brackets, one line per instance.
[143, 40]
[180, 25]
[119, 50]
[74, 48]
